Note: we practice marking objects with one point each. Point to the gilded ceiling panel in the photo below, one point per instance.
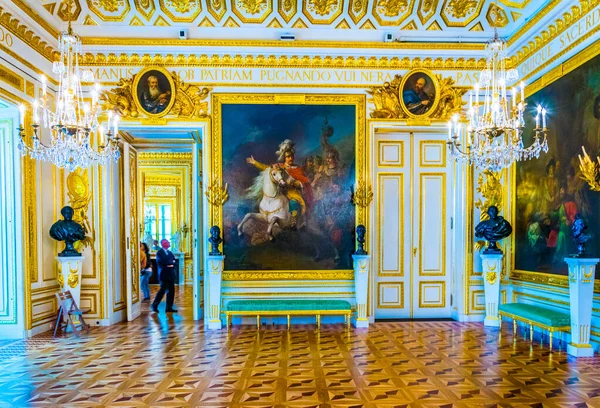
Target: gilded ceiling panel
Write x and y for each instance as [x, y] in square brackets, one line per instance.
[460, 13]
[252, 11]
[321, 12]
[109, 10]
[68, 11]
[357, 9]
[181, 11]
[392, 12]
[441, 15]
[287, 9]
[426, 10]
[217, 8]
[146, 8]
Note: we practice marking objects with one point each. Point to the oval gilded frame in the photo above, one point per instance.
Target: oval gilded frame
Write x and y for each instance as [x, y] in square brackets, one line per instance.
[136, 98]
[436, 84]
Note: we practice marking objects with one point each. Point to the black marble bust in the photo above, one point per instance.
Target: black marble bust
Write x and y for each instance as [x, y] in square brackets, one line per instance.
[215, 240]
[67, 230]
[493, 230]
[360, 238]
[580, 237]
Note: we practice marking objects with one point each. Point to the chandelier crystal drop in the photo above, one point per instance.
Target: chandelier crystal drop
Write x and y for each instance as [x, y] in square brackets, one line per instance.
[493, 133]
[73, 120]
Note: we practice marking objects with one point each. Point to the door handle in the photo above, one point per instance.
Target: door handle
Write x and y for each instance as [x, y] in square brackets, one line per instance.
[415, 251]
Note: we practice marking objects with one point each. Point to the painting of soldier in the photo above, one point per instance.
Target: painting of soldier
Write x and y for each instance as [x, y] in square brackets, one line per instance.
[290, 171]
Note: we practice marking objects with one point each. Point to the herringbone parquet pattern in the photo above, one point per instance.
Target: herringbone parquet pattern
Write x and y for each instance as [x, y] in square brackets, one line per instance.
[170, 361]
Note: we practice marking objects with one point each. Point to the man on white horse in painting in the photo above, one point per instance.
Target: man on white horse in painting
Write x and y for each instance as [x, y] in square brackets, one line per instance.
[297, 187]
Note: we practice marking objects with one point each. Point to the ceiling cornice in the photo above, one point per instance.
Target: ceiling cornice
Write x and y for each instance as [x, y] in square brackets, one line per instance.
[26, 34]
[37, 18]
[169, 42]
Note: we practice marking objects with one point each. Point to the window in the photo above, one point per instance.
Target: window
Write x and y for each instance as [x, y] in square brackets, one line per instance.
[158, 220]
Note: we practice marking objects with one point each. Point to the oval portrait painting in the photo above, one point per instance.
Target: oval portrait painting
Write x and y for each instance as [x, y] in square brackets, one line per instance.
[154, 91]
[418, 93]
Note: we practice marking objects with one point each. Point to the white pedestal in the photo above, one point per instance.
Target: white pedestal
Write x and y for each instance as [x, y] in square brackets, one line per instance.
[69, 278]
[581, 293]
[214, 264]
[492, 271]
[361, 288]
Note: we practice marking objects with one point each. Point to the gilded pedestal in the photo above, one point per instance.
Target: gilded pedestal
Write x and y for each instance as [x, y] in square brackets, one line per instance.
[214, 270]
[581, 293]
[492, 270]
[361, 288]
[69, 277]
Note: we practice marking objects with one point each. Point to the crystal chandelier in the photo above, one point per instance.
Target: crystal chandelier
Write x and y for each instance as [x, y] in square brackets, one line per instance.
[492, 138]
[73, 120]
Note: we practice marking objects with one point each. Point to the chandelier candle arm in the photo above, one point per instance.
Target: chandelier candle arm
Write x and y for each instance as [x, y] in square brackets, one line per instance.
[73, 122]
[492, 134]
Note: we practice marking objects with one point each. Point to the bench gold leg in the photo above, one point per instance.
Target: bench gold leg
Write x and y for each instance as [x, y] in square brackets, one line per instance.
[227, 321]
[288, 318]
[514, 327]
[550, 334]
[318, 321]
[258, 321]
[531, 333]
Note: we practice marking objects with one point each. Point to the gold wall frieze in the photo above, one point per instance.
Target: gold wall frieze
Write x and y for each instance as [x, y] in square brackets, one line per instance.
[281, 61]
[567, 21]
[563, 69]
[532, 22]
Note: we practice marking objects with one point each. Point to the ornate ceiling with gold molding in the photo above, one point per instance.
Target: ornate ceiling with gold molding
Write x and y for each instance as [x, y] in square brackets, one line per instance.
[456, 16]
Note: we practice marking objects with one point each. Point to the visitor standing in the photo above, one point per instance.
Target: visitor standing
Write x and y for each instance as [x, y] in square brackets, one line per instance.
[165, 261]
[145, 270]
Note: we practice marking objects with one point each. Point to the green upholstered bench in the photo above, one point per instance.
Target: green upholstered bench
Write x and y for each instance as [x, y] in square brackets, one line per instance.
[544, 318]
[288, 307]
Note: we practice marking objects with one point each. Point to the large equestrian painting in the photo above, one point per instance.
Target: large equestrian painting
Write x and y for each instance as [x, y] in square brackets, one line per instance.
[290, 171]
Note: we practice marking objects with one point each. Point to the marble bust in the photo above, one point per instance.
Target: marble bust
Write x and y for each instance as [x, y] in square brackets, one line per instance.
[215, 240]
[580, 237]
[360, 238]
[493, 230]
[67, 230]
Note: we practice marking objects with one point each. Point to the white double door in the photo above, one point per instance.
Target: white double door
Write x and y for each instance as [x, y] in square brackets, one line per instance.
[412, 229]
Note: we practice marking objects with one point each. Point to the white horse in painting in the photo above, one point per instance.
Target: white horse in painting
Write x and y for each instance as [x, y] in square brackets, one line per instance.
[274, 204]
[274, 210]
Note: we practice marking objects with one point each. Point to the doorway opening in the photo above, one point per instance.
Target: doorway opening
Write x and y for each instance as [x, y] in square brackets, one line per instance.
[12, 316]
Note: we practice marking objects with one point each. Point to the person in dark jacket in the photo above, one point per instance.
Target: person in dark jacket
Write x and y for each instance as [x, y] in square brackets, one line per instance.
[165, 261]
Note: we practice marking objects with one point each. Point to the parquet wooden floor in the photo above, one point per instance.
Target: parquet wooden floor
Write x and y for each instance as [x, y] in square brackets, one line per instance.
[170, 361]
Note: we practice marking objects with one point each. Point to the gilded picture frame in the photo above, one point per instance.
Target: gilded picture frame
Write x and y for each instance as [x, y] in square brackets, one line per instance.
[429, 93]
[159, 105]
[524, 275]
[215, 182]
